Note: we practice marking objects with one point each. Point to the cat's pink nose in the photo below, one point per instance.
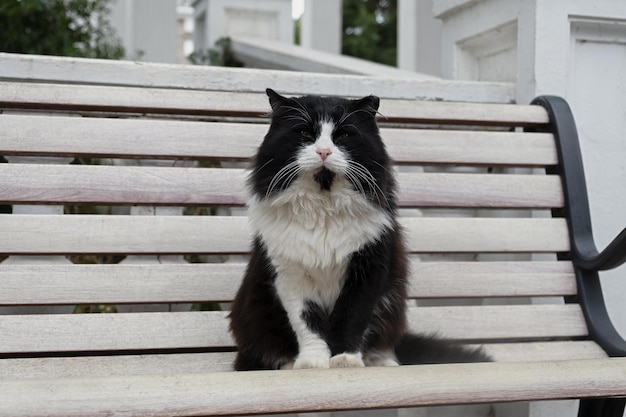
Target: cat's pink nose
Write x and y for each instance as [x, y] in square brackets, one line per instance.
[323, 153]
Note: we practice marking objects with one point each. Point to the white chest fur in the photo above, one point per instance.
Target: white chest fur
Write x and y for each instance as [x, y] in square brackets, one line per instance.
[311, 234]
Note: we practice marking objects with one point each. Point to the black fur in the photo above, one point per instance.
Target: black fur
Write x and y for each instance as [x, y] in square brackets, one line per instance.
[422, 349]
[264, 336]
[369, 314]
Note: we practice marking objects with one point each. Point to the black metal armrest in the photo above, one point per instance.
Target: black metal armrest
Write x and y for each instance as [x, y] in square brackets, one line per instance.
[611, 257]
[583, 252]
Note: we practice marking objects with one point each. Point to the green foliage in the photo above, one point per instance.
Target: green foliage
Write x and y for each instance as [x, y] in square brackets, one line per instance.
[297, 31]
[59, 27]
[206, 306]
[95, 308]
[220, 56]
[370, 30]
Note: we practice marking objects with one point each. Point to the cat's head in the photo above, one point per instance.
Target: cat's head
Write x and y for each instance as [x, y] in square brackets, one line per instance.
[323, 139]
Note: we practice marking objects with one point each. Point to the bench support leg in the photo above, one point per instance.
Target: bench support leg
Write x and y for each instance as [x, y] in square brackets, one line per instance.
[602, 407]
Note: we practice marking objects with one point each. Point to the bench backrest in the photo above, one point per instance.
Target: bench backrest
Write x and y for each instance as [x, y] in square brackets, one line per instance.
[132, 199]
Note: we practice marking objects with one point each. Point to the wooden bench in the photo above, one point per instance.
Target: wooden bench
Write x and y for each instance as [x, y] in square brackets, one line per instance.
[130, 199]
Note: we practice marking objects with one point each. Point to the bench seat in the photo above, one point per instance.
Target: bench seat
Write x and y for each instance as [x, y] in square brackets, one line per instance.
[127, 198]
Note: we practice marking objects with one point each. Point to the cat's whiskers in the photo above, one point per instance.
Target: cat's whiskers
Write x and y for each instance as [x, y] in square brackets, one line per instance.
[361, 172]
[387, 170]
[354, 180]
[290, 178]
[302, 111]
[345, 115]
[284, 172]
[289, 171]
[259, 169]
[298, 118]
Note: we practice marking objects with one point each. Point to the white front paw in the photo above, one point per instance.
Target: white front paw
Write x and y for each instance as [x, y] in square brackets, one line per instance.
[304, 361]
[347, 360]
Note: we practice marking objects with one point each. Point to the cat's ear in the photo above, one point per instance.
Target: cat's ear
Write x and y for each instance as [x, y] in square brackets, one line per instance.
[276, 100]
[369, 104]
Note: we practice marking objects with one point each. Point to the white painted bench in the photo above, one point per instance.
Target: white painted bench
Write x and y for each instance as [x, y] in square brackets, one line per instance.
[160, 184]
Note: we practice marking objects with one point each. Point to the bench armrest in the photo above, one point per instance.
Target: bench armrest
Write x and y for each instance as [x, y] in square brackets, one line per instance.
[583, 251]
[611, 257]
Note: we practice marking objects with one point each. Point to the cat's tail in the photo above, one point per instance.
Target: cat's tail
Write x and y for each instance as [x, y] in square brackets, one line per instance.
[416, 349]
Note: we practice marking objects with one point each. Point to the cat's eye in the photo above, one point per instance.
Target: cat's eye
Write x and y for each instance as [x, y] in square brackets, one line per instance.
[306, 134]
[342, 136]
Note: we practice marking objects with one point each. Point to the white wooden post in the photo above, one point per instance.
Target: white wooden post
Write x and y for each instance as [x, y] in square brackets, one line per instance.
[215, 19]
[321, 25]
[148, 29]
[419, 37]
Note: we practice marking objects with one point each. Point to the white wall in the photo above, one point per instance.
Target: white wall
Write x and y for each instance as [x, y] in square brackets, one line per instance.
[572, 48]
[148, 29]
[596, 90]
[321, 25]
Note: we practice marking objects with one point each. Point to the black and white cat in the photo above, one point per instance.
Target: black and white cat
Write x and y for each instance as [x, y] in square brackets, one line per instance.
[326, 282]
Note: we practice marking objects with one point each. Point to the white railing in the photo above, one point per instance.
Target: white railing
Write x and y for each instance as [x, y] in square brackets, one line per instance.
[264, 53]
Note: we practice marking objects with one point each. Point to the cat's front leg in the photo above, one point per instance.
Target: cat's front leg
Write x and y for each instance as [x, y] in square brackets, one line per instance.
[307, 321]
[368, 305]
[313, 357]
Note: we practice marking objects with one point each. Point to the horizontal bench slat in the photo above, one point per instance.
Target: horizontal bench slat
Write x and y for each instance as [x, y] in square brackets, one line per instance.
[126, 138]
[463, 113]
[96, 234]
[200, 77]
[101, 184]
[469, 147]
[137, 331]
[473, 235]
[553, 351]
[500, 322]
[480, 190]
[491, 279]
[103, 366]
[235, 393]
[113, 284]
[92, 98]
[216, 103]
[122, 331]
[84, 234]
[183, 363]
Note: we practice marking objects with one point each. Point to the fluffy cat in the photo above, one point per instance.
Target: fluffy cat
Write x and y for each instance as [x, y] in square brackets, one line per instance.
[326, 282]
